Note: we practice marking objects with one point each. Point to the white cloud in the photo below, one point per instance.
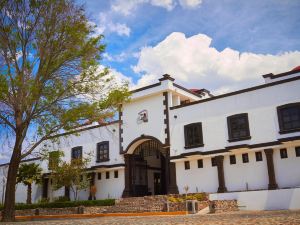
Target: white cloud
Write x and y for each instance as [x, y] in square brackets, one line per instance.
[107, 25]
[127, 7]
[190, 3]
[195, 63]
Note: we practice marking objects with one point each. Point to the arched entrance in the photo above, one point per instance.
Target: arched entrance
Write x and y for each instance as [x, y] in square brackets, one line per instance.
[148, 170]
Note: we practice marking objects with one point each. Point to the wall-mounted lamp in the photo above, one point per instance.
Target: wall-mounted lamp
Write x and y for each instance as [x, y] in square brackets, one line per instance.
[175, 116]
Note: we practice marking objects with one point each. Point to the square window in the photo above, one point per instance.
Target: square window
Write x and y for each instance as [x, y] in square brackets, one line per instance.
[76, 152]
[187, 165]
[245, 158]
[258, 156]
[283, 153]
[116, 173]
[232, 159]
[289, 117]
[200, 163]
[103, 151]
[99, 176]
[193, 135]
[238, 127]
[213, 161]
[297, 149]
[107, 175]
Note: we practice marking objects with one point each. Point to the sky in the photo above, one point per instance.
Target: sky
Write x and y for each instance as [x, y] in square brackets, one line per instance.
[220, 45]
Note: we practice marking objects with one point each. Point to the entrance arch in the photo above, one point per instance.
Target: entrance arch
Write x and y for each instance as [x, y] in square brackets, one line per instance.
[148, 170]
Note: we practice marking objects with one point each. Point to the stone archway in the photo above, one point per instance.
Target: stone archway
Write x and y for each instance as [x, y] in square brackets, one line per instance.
[148, 170]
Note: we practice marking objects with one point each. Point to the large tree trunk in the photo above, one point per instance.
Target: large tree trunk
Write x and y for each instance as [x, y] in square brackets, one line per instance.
[8, 213]
[29, 190]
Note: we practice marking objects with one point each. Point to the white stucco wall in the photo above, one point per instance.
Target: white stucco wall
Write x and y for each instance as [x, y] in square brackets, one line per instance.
[263, 200]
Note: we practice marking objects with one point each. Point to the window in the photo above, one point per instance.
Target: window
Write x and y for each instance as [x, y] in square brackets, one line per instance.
[77, 152]
[238, 127]
[193, 135]
[186, 165]
[213, 161]
[289, 118]
[53, 159]
[103, 151]
[283, 153]
[245, 158]
[99, 176]
[116, 174]
[200, 163]
[258, 156]
[232, 159]
[107, 175]
[297, 149]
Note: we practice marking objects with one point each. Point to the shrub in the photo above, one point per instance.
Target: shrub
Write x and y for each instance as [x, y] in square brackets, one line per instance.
[105, 202]
[61, 199]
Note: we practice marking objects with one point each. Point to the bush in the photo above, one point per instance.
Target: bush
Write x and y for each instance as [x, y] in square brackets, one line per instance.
[105, 202]
[61, 199]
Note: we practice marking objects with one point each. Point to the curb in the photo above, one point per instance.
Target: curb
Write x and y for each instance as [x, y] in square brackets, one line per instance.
[79, 216]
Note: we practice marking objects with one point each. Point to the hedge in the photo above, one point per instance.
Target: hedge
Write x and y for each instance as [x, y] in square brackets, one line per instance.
[105, 202]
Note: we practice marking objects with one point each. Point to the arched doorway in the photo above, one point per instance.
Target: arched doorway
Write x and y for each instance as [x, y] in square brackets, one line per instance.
[148, 169]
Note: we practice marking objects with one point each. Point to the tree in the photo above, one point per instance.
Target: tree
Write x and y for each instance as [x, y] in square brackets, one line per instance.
[49, 77]
[71, 175]
[29, 174]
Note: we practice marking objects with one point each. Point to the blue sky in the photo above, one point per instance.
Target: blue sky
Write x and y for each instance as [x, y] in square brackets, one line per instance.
[263, 28]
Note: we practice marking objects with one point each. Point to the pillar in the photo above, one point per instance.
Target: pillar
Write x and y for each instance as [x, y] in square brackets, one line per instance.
[45, 182]
[92, 183]
[172, 188]
[271, 172]
[128, 176]
[219, 160]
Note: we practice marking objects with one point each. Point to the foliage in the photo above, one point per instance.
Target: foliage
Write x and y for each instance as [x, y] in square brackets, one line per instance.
[49, 77]
[104, 202]
[71, 174]
[61, 199]
[182, 198]
[29, 173]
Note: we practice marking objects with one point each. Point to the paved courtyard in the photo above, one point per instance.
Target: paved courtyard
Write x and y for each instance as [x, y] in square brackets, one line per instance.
[263, 218]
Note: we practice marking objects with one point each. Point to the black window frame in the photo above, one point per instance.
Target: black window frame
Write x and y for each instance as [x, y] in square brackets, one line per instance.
[282, 128]
[297, 151]
[283, 153]
[213, 162]
[116, 174]
[258, 156]
[187, 139]
[53, 159]
[107, 175]
[187, 165]
[200, 163]
[99, 175]
[101, 152]
[230, 120]
[245, 158]
[232, 159]
[77, 148]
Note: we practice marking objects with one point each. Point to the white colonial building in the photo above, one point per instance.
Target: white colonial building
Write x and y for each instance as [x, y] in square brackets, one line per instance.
[169, 137]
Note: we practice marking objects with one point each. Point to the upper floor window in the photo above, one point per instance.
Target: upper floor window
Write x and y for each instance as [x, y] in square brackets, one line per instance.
[53, 159]
[77, 152]
[238, 127]
[103, 151]
[193, 135]
[289, 117]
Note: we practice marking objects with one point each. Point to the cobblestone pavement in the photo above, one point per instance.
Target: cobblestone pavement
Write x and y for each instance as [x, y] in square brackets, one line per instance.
[240, 218]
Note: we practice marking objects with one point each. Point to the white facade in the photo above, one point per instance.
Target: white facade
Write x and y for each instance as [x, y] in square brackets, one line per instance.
[168, 108]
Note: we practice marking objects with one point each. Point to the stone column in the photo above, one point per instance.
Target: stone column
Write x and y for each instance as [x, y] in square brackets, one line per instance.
[219, 160]
[45, 182]
[128, 176]
[92, 183]
[67, 192]
[172, 188]
[271, 172]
